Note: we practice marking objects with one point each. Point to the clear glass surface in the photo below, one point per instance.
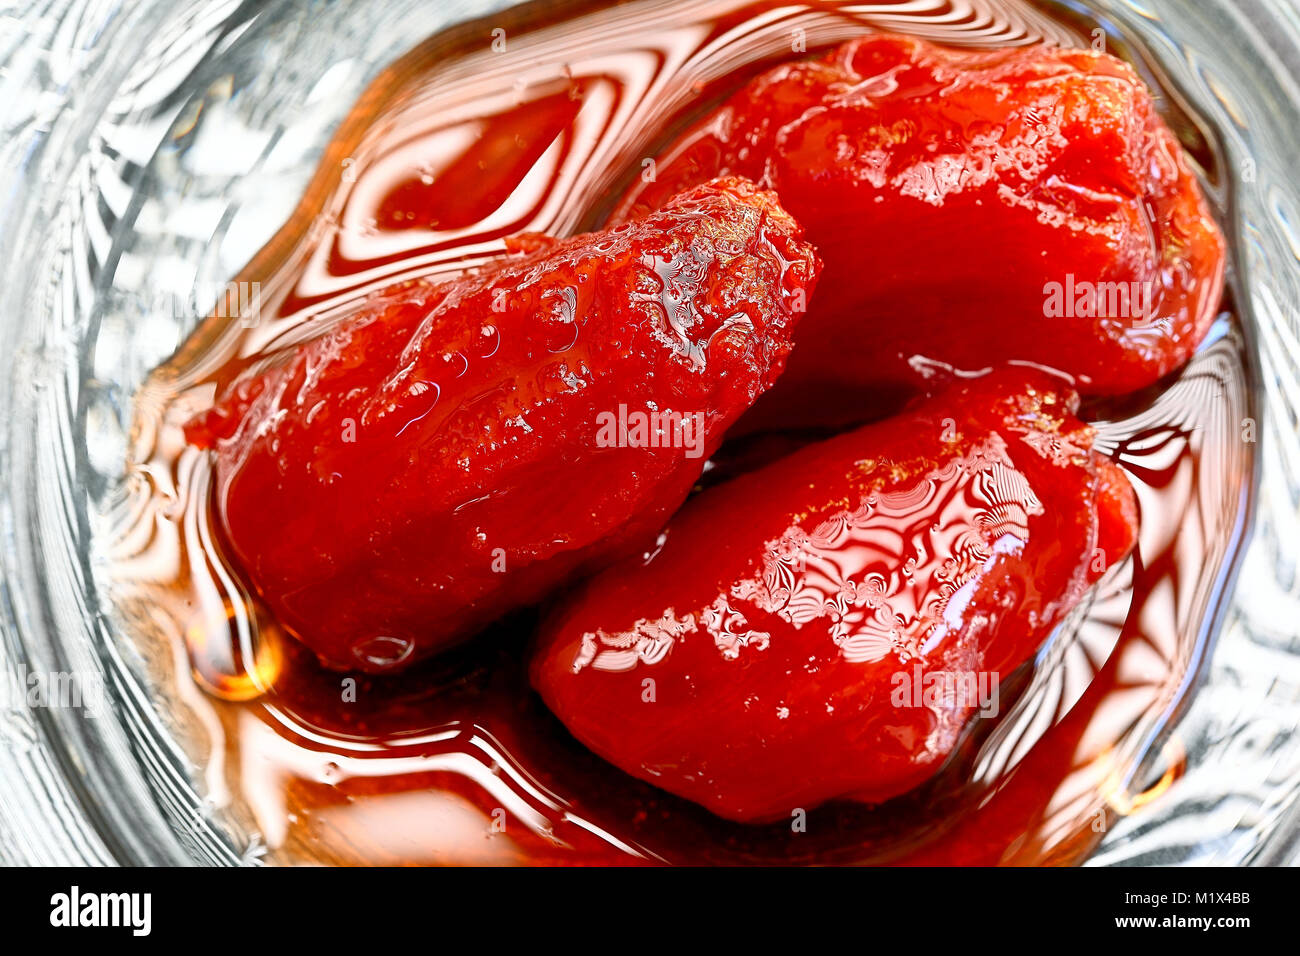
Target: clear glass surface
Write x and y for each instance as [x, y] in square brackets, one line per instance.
[149, 149]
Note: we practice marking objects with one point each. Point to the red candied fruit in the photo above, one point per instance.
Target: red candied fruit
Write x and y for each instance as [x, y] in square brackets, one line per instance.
[436, 459]
[971, 207]
[828, 625]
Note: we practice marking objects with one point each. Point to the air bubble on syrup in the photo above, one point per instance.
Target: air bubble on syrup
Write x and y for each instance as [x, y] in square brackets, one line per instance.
[487, 342]
[456, 362]
[421, 398]
[382, 650]
[560, 319]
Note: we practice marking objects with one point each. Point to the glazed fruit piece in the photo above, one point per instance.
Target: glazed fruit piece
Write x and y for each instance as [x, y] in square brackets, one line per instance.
[456, 450]
[827, 626]
[971, 207]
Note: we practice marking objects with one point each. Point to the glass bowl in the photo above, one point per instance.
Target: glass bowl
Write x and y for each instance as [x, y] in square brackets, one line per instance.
[152, 148]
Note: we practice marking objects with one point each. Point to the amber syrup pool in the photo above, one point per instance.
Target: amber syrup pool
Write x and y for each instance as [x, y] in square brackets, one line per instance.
[533, 120]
